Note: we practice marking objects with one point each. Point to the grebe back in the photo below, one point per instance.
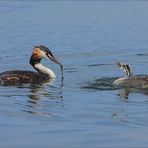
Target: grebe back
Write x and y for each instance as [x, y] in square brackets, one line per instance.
[140, 81]
[43, 74]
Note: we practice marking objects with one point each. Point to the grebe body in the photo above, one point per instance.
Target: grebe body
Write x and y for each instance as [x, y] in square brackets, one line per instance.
[43, 73]
[139, 81]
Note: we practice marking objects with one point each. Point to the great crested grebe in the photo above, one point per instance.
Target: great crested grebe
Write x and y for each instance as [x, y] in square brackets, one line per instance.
[139, 81]
[43, 74]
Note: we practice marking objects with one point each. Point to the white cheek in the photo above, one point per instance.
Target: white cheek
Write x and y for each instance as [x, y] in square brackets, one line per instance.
[43, 54]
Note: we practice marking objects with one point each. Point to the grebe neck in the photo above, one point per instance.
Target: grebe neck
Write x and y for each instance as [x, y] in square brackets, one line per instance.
[120, 80]
[36, 64]
[44, 70]
[128, 71]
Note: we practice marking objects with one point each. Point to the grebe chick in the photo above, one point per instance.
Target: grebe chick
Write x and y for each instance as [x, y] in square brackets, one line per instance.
[140, 81]
[44, 74]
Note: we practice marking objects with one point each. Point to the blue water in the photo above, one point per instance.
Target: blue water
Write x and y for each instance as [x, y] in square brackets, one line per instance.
[86, 110]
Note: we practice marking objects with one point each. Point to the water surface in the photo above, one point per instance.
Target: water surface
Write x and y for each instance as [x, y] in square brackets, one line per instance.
[86, 110]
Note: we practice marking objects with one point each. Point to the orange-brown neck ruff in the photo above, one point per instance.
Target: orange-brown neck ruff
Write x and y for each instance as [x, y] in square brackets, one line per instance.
[36, 57]
[36, 54]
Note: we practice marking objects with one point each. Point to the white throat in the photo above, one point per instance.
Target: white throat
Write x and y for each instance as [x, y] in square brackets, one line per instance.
[120, 81]
[44, 70]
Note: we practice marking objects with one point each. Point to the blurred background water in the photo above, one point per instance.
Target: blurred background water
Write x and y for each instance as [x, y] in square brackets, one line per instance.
[87, 110]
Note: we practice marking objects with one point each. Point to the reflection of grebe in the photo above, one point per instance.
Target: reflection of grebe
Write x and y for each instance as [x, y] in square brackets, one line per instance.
[43, 74]
[129, 80]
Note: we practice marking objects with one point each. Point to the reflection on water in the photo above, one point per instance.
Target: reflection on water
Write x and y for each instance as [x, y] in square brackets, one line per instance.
[124, 117]
[126, 109]
[88, 111]
[40, 97]
[125, 92]
[44, 96]
[106, 83]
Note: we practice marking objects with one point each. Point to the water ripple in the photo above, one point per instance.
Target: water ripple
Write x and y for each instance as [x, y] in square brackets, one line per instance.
[104, 83]
[9, 8]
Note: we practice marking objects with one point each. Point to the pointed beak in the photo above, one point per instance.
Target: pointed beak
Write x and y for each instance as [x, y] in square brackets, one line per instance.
[118, 64]
[53, 59]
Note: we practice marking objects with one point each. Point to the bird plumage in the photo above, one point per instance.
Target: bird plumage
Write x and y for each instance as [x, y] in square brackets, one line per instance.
[43, 73]
[139, 81]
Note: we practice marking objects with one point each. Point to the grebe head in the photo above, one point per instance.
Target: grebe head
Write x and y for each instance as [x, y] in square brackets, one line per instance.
[41, 52]
[38, 54]
[126, 68]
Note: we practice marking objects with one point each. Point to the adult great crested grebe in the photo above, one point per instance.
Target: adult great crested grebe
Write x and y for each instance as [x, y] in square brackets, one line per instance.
[43, 74]
[139, 81]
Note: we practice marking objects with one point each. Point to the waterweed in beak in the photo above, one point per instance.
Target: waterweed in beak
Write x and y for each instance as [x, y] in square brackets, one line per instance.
[62, 71]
